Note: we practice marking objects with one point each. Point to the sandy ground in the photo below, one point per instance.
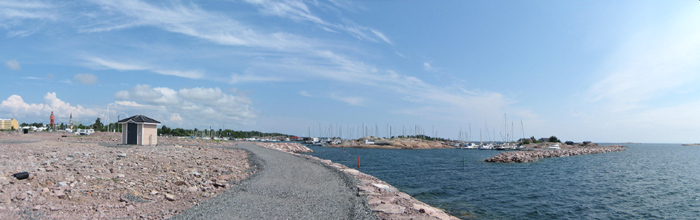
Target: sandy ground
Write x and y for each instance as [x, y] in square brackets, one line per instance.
[76, 178]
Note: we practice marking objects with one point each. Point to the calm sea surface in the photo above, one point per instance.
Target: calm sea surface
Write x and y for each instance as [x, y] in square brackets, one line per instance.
[647, 181]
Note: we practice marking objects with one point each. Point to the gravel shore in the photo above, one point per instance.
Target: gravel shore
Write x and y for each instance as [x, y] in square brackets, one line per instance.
[77, 178]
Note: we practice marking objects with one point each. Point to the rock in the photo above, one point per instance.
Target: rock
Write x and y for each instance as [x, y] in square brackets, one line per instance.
[194, 173]
[59, 193]
[389, 209]
[62, 184]
[192, 189]
[121, 155]
[121, 176]
[21, 196]
[36, 208]
[222, 185]
[181, 183]
[154, 192]
[351, 171]
[4, 180]
[374, 201]
[384, 187]
[170, 197]
[5, 198]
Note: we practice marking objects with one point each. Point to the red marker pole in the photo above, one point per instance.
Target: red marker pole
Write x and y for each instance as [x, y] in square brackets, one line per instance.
[358, 162]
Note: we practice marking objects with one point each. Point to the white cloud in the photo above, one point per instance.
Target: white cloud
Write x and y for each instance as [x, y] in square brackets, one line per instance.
[195, 106]
[85, 78]
[18, 108]
[13, 65]
[127, 103]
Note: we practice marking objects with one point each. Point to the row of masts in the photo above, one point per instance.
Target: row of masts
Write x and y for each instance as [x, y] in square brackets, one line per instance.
[348, 131]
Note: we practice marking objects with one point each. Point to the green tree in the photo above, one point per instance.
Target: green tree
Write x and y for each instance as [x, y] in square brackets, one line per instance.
[165, 130]
[98, 125]
[553, 139]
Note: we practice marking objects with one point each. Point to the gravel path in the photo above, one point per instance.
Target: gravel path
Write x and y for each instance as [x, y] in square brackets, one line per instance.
[285, 187]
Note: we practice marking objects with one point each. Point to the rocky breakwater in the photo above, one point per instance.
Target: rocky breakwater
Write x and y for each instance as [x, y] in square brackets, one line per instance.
[90, 181]
[534, 155]
[286, 147]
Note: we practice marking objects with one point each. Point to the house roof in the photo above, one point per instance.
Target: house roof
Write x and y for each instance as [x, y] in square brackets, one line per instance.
[139, 119]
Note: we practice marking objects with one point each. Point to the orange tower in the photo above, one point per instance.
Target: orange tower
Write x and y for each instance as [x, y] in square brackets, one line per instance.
[53, 121]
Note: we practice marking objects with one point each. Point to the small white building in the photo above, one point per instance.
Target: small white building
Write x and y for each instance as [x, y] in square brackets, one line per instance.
[139, 130]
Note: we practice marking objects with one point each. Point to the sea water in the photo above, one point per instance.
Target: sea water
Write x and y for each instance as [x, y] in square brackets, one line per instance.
[647, 181]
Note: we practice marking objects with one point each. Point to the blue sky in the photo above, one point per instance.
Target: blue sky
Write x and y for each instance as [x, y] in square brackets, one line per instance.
[581, 70]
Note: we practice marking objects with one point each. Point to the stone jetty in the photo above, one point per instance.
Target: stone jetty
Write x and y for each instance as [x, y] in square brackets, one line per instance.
[534, 155]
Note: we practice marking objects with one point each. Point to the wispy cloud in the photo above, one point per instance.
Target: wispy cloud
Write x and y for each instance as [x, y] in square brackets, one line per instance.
[190, 20]
[247, 78]
[650, 64]
[14, 15]
[454, 100]
[299, 11]
[304, 93]
[350, 100]
[125, 66]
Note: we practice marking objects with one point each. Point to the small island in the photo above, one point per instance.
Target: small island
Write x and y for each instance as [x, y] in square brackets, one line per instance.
[394, 143]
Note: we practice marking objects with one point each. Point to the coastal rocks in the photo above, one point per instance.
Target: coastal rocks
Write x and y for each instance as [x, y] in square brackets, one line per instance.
[389, 209]
[534, 155]
[115, 182]
[286, 147]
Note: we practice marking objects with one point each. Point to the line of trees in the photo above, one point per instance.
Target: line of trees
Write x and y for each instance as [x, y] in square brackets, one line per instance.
[165, 130]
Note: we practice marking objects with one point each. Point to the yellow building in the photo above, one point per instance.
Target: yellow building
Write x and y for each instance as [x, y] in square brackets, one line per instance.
[139, 130]
[9, 124]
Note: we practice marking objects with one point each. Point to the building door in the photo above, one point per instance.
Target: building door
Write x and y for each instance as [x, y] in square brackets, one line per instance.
[131, 133]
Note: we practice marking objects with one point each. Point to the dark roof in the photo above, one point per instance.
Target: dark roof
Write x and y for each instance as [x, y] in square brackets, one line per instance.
[139, 118]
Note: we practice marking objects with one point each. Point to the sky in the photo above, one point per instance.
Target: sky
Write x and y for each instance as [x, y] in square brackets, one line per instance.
[604, 71]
